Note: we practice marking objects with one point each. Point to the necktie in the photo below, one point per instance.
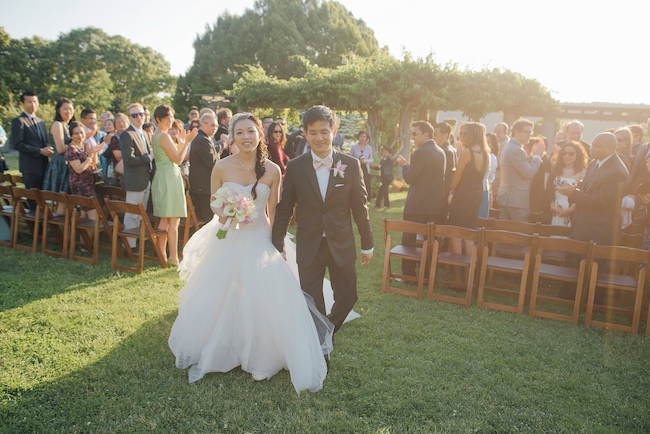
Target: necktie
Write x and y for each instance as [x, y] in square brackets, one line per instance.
[325, 162]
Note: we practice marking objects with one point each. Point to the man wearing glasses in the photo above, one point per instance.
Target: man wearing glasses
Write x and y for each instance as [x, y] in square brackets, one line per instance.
[192, 115]
[517, 171]
[426, 200]
[138, 165]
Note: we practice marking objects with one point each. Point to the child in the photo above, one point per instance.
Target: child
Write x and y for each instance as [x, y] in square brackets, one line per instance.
[386, 171]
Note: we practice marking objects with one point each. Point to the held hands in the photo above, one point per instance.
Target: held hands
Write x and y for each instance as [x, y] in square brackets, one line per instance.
[365, 258]
[566, 189]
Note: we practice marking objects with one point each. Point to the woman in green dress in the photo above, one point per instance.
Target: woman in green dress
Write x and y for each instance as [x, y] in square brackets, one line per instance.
[168, 191]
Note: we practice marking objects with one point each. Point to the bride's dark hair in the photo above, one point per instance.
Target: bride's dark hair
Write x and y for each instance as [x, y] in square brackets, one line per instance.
[261, 155]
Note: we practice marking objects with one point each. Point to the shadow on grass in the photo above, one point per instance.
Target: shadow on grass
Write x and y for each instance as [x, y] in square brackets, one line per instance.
[26, 277]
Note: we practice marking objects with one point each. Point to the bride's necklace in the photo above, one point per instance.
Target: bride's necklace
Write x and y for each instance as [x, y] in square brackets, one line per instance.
[242, 164]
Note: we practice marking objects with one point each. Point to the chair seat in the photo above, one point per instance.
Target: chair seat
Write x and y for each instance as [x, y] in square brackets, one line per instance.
[89, 223]
[558, 271]
[505, 263]
[510, 249]
[400, 250]
[454, 258]
[7, 209]
[616, 279]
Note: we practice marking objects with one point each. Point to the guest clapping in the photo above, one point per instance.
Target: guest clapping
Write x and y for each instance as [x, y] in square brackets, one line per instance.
[82, 162]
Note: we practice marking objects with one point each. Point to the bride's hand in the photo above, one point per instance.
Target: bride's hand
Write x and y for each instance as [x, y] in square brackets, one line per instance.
[284, 255]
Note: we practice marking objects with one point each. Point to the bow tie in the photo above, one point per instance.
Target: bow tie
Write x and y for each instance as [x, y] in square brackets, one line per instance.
[325, 162]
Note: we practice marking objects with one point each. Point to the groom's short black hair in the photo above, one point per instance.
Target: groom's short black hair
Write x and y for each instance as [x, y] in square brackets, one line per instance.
[319, 113]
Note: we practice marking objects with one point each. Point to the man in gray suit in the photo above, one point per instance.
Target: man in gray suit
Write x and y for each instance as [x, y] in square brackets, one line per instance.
[516, 172]
[138, 165]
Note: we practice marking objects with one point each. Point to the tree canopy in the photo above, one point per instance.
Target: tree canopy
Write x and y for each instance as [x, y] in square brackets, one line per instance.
[86, 65]
[276, 35]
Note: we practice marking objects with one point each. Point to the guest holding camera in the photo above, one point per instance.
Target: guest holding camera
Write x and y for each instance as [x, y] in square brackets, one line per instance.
[569, 165]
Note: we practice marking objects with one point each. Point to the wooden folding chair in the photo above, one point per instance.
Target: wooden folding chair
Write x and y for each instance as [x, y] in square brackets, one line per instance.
[518, 268]
[417, 254]
[462, 264]
[190, 222]
[5, 179]
[7, 211]
[22, 214]
[621, 287]
[59, 225]
[88, 229]
[17, 181]
[553, 231]
[573, 271]
[143, 233]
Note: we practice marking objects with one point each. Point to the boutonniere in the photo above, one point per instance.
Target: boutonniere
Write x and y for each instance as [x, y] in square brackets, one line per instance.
[339, 169]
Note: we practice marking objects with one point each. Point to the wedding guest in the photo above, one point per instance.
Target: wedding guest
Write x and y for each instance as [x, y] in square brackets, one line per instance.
[539, 210]
[192, 115]
[3, 137]
[203, 157]
[173, 132]
[363, 152]
[386, 175]
[568, 165]
[113, 154]
[467, 186]
[490, 176]
[441, 135]
[624, 146]
[167, 188]
[29, 138]
[277, 140]
[221, 136]
[637, 140]
[501, 132]
[56, 175]
[83, 162]
[266, 122]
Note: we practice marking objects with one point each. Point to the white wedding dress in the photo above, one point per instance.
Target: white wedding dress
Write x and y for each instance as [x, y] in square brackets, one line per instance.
[242, 306]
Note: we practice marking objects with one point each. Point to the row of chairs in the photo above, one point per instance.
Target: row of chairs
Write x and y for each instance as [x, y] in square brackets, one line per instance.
[546, 271]
[42, 225]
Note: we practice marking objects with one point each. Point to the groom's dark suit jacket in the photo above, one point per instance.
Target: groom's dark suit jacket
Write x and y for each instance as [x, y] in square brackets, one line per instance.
[26, 140]
[331, 216]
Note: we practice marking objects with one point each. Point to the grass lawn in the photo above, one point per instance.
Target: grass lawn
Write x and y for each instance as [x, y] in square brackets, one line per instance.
[84, 349]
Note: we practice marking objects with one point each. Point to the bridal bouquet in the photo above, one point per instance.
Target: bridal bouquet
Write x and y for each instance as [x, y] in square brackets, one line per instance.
[235, 204]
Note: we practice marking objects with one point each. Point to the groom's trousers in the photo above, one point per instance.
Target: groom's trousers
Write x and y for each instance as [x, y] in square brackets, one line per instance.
[342, 278]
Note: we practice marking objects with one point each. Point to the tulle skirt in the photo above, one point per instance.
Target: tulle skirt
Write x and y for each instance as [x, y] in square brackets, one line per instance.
[242, 306]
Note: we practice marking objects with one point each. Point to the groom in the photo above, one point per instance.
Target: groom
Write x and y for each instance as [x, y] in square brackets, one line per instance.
[325, 185]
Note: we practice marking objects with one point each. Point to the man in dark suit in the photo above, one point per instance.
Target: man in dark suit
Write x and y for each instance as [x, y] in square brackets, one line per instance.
[326, 186]
[203, 157]
[441, 133]
[221, 136]
[138, 165]
[426, 200]
[598, 197]
[29, 138]
[296, 143]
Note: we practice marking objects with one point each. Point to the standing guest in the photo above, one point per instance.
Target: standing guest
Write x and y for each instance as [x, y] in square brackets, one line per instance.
[277, 140]
[203, 156]
[441, 135]
[363, 152]
[56, 175]
[296, 143]
[138, 165]
[637, 140]
[29, 138]
[624, 146]
[386, 175]
[539, 210]
[103, 118]
[3, 137]
[266, 122]
[148, 129]
[113, 154]
[569, 165]
[192, 115]
[147, 114]
[501, 131]
[467, 187]
[517, 171]
[94, 137]
[426, 200]
[490, 176]
[167, 189]
[598, 197]
[221, 136]
[173, 132]
[82, 162]
[574, 131]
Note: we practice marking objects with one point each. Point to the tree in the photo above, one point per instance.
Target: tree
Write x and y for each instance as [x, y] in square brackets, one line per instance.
[277, 35]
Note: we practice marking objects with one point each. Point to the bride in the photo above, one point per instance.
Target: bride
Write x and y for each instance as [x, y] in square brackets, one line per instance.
[242, 304]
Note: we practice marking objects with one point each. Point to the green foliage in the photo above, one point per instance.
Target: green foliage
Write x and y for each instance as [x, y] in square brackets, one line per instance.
[86, 65]
[281, 37]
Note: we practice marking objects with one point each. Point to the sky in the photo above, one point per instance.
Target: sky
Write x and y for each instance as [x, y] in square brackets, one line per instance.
[582, 51]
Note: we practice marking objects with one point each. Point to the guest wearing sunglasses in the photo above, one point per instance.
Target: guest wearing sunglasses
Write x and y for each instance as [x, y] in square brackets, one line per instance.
[138, 164]
[277, 141]
[569, 166]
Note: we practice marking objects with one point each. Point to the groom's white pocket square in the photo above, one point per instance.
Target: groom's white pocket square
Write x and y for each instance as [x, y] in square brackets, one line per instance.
[339, 185]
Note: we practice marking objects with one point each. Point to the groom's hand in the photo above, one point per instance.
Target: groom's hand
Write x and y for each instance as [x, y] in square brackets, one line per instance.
[365, 258]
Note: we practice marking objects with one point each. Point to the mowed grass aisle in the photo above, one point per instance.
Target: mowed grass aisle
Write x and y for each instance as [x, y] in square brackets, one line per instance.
[84, 349]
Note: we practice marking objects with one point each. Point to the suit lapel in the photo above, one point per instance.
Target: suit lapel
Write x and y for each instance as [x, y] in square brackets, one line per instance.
[331, 181]
[137, 140]
[308, 165]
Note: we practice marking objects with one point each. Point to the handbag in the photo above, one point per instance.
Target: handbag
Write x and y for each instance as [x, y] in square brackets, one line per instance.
[98, 174]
